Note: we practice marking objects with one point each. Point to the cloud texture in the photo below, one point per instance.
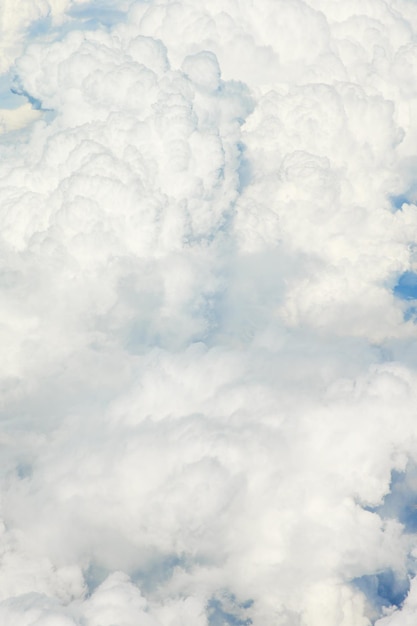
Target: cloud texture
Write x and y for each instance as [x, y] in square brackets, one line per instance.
[208, 375]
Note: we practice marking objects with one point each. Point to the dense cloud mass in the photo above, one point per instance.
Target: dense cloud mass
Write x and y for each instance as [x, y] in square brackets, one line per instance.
[208, 288]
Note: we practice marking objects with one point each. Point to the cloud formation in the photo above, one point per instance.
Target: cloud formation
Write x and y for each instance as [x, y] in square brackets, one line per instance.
[208, 373]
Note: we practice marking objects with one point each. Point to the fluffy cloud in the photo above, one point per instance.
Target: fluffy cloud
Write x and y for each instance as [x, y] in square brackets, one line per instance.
[207, 386]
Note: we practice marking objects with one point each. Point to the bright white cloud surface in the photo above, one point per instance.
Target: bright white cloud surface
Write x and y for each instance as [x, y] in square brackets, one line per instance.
[208, 283]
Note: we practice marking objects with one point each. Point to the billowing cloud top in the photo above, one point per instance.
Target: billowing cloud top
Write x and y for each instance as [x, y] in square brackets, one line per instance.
[208, 313]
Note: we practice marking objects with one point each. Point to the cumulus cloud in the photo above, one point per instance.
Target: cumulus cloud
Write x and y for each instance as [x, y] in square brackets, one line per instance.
[208, 380]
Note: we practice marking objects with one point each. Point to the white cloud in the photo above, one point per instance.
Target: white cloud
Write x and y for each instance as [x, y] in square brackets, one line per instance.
[17, 17]
[205, 384]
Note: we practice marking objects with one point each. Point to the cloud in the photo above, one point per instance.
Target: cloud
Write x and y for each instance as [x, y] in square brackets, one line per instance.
[207, 384]
[16, 18]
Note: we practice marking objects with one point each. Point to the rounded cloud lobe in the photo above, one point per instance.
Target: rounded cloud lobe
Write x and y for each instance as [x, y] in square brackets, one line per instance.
[208, 379]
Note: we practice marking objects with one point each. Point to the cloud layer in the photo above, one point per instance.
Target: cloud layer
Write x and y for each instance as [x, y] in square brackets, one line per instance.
[208, 373]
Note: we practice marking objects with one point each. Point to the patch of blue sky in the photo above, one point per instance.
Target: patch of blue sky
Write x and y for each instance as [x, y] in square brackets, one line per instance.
[384, 589]
[91, 16]
[40, 27]
[401, 501]
[388, 588]
[397, 201]
[409, 195]
[406, 287]
[228, 613]
[22, 93]
[97, 14]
